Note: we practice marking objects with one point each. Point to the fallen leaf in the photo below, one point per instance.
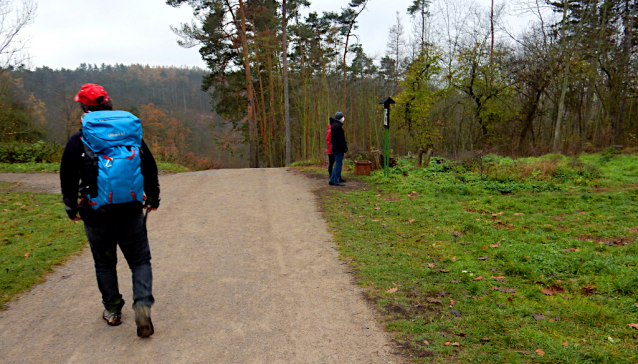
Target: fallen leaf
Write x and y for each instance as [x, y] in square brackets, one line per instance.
[483, 247]
[510, 299]
[413, 194]
[499, 278]
[538, 316]
[447, 343]
[570, 250]
[377, 208]
[433, 300]
[547, 291]
[455, 281]
[426, 342]
[496, 245]
[483, 258]
[589, 290]
[27, 255]
[456, 343]
[478, 278]
[444, 271]
[486, 339]
[452, 303]
[456, 313]
[566, 343]
[635, 326]
[519, 214]
[392, 290]
[454, 259]
[430, 265]
[540, 352]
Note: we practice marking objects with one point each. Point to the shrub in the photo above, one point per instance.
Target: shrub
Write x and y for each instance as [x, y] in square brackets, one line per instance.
[38, 152]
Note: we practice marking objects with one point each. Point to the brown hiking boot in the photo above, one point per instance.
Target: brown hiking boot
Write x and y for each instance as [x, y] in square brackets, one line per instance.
[112, 318]
[143, 321]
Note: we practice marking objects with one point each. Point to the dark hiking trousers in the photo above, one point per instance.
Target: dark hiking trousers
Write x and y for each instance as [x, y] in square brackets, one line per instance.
[331, 163]
[130, 234]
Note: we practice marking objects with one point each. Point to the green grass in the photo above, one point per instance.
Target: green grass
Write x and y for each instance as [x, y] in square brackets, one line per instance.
[307, 162]
[171, 168]
[423, 232]
[34, 224]
[29, 167]
[55, 167]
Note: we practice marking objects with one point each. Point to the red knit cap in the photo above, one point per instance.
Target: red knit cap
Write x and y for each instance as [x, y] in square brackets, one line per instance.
[92, 95]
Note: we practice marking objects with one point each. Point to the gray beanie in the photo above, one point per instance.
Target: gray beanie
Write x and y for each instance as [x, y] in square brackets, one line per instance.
[338, 115]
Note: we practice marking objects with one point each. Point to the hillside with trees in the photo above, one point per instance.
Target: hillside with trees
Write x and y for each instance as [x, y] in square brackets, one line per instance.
[178, 122]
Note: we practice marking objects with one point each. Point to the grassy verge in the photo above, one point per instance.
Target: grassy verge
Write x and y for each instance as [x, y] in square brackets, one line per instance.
[29, 167]
[500, 261]
[55, 168]
[35, 235]
[171, 168]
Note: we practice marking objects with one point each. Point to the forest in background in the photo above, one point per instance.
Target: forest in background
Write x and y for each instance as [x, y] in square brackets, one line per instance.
[465, 82]
[179, 125]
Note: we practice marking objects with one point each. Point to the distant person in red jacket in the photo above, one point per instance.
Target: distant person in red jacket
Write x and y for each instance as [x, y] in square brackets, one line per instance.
[331, 157]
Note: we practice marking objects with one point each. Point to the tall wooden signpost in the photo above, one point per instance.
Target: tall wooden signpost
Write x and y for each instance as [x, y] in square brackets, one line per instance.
[386, 125]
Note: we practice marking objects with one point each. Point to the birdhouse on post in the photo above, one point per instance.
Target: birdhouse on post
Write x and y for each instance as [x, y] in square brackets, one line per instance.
[386, 125]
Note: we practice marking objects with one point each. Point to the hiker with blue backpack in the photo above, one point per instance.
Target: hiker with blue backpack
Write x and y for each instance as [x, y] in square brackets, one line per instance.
[110, 169]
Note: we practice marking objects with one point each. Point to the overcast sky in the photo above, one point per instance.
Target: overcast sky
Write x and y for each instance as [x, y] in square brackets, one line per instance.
[69, 32]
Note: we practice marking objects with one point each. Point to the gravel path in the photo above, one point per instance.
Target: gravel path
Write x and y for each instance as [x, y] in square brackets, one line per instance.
[245, 272]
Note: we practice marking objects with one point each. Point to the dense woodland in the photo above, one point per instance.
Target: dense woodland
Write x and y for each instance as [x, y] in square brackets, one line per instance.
[465, 81]
[468, 80]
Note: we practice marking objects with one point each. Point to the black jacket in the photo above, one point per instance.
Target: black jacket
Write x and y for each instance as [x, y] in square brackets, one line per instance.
[78, 177]
[339, 142]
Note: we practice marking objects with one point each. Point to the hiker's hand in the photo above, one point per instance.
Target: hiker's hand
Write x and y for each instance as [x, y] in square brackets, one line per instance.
[149, 209]
[77, 218]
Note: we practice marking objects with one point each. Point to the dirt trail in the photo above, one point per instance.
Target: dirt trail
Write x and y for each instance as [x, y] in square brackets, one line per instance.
[245, 272]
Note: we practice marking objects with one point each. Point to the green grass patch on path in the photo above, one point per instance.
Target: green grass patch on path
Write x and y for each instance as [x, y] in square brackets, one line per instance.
[35, 236]
[534, 261]
[55, 168]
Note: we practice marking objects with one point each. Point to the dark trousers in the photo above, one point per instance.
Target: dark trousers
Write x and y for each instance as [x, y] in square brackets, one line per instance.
[336, 172]
[331, 163]
[130, 234]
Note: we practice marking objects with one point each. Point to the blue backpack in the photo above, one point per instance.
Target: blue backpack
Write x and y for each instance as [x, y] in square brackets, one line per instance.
[113, 140]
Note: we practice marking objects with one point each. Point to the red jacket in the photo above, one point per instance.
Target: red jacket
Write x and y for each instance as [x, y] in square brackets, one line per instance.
[329, 140]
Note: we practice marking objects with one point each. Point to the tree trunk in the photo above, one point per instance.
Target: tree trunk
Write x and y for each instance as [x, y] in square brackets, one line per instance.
[285, 77]
[561, 101]
[252, 125]
[428, 155]
[419, 156]
[345, 53]
[273, 122]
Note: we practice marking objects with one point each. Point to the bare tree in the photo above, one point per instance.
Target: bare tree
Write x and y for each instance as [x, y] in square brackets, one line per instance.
[14, 17]
[396, 50]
